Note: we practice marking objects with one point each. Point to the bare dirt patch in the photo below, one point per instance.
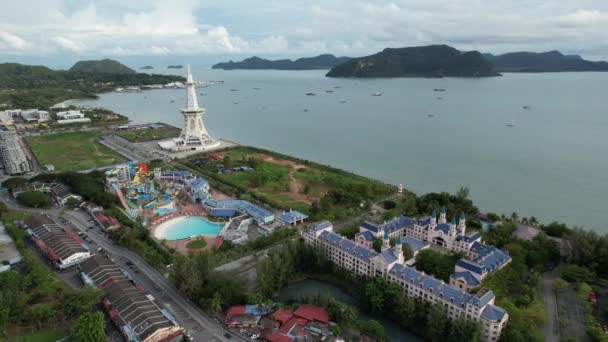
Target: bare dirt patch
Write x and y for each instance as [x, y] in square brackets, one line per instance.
[296, 186]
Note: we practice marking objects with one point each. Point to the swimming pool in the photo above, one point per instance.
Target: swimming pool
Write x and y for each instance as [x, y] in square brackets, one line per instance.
[185, 227]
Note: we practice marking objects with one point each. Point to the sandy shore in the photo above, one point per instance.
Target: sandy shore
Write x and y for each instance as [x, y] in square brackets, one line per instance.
[64, 104]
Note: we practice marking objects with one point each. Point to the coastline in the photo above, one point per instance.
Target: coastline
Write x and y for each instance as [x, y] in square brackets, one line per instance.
[65, 103]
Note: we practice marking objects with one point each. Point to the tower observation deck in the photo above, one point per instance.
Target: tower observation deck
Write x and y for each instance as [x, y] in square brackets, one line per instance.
[194, 135]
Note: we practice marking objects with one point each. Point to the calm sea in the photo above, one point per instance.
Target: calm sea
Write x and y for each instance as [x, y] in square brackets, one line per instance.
[552, 164]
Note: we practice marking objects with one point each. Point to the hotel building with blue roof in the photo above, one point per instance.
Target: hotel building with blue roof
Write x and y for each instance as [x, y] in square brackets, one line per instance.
[390, 265]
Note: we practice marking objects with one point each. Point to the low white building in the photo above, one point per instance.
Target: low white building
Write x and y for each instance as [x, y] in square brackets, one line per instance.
[34, 115]
[73, 121]
[70, 114]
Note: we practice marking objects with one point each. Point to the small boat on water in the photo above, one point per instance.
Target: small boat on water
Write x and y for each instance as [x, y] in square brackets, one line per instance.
[310, 94]
[172, 101]
[512, 123]
[256, 88]
[233, 90]
[377, 94]
[430, 115]
[439, 89]
[337, 87]
[329, 91]
[343, 101]
[526, 107]
[306, 110]
[203, 94]
[440, 98]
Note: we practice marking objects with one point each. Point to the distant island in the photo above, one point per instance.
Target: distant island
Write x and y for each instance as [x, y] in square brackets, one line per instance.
[147, 67]
[175, 66]
[325, 61]
[28, 86]
[419, 61]
[551, 61]
[106, 66]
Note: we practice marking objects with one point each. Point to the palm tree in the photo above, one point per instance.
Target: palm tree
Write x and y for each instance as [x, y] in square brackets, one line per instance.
[514, 217]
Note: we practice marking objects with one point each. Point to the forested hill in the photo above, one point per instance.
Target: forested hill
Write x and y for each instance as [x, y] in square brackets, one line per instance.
[326, 61]
[27, 86]
[551, 61]
[108, 66]
[419, 61]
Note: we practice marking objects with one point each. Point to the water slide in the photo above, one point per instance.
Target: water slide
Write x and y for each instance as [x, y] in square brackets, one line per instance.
[123, 200]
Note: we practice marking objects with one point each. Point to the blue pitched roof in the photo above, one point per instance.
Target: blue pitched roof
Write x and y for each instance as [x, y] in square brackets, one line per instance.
[444, 227]
[443, 209]
[386, 237]
[366, 235]
[347, 245]
[438, 287]
[198, 183]
[470, 266]
[389, 256]
[223, 212]
[493, 313]
[433, 214]
[250, 208]
[462, 215]
[468, 278]
[489, 257]
[469, 238]
[414, 244]
[292, 216]
[319, 226]
[370, 226]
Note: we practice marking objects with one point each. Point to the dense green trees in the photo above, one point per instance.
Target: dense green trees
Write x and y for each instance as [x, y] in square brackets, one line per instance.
[14, 182]
[26, 86]
[34, 199]
[89, 328]
[193, 275]
[88, 185]
[36, 298]
[427, 320]
[437, 264]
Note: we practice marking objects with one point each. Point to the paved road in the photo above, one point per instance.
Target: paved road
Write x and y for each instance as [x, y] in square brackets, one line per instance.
[199, 324]
[551, 327]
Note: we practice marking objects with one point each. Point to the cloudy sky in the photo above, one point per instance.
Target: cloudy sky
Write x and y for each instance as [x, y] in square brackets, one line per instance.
[57, 30]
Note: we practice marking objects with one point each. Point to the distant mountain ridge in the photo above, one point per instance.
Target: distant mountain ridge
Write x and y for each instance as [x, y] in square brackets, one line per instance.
[551, 61]
[325, 61]
[418, 61]
[107, 66]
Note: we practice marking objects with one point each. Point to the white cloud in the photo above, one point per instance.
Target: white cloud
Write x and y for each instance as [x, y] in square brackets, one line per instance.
[298, 27]
[68, 44]
[11, 41]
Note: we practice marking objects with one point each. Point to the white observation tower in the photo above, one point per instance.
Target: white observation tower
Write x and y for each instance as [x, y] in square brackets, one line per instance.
[194, 135]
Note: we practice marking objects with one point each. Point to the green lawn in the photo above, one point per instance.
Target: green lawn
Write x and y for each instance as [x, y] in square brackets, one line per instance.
[50, 335]
[72, 151]
[287, 182]
[196, 244]
[141, 135]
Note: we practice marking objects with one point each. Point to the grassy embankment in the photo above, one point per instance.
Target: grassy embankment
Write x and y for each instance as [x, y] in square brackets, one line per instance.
[72, 151]
[286, 182]
[141, 135]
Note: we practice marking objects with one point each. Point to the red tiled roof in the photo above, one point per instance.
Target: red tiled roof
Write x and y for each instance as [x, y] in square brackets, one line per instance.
[286, 328]
[282, 315]
[236, 310]
[276, 337]
[312, 313]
